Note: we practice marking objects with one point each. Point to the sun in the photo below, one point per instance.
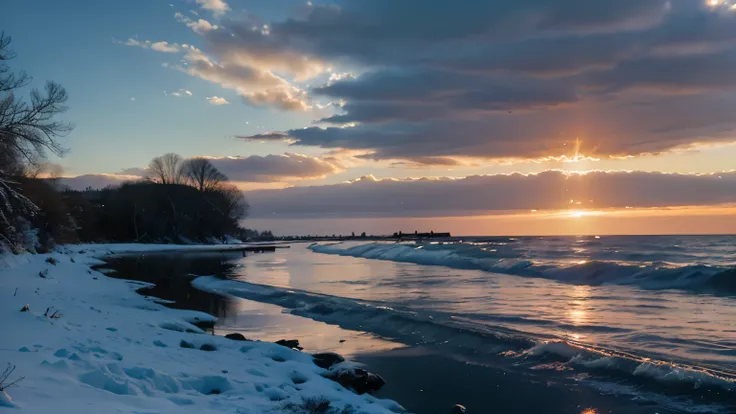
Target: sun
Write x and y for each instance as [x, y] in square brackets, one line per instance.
[581, 213]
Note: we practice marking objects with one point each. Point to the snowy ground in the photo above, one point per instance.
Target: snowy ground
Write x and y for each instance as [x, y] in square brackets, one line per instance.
[114, 351]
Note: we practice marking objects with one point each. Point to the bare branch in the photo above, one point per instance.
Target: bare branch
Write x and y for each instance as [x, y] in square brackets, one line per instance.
[167, 168]
[200, 173]
[5, 382]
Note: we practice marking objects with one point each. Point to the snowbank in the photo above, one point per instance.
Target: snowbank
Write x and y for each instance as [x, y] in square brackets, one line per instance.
[111, 350]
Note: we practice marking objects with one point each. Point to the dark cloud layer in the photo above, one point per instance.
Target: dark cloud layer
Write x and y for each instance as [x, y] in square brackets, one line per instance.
[552, 190]
[284, 167]
[509, 78]
[253, 169]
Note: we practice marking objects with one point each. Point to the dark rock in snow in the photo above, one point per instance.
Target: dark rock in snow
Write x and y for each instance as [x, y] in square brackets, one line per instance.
[26, 308]
[290, 343]
[185, 344]
[458, 409]
[327, 359]
[208, 347]
[236, 337]
[360, 380]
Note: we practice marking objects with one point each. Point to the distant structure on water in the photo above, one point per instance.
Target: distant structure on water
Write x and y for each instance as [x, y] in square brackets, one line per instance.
[417, 235]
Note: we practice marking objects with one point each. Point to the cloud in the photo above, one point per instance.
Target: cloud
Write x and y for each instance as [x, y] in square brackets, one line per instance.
[257, 87]
[97, 181]
[398, 95]
[157, 46]
[511, 79]
[476, 195]
[216, 100]
[270, 171]
[636, 126]
[505, 79]
[278, 168]
[270, 136]
[199, 26]
[216, 6]
[252, 44]
[180, 93]
[672, 74]
[140, 172]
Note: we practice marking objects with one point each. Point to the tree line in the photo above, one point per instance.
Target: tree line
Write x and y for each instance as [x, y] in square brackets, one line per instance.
[183, 201]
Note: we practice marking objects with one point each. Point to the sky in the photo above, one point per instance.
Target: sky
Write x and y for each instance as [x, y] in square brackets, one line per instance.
[498, 117]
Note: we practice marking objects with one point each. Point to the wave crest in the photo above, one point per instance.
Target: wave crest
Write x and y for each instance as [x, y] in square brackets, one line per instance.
[475, 256]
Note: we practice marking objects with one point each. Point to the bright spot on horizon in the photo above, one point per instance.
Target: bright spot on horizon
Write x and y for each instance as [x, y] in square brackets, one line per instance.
[577, 156]
[581, 213]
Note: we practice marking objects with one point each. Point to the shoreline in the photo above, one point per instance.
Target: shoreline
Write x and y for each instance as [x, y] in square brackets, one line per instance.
[484, 389]
[112, 348]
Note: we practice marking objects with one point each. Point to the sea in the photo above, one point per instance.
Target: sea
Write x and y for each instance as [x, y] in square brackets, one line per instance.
[644, 319]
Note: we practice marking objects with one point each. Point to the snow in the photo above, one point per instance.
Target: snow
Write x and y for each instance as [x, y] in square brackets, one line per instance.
[113, 350]
[112, 248]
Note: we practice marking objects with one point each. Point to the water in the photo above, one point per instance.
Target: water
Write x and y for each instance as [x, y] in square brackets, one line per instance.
[649, 319]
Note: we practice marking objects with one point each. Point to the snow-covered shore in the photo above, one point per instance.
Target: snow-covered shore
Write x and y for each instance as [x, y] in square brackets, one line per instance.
[110, 349]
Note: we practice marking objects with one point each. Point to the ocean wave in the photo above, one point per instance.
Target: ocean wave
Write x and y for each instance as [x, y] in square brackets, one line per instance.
[460, 336]
[479, 256]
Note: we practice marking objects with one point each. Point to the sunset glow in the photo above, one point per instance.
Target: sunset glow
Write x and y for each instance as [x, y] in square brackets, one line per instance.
[313, 130]
[368, 206]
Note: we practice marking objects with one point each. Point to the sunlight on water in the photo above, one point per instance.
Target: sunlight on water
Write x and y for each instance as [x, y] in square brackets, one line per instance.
[633, 311]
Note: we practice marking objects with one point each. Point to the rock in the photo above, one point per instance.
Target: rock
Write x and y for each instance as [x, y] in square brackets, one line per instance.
[360, 380]
[327, 359]
[458, 409]
[26, 308]
[290, 343]
[208, 347]
[342, 341]
[185, 344]
[51, 260]
[236, 337]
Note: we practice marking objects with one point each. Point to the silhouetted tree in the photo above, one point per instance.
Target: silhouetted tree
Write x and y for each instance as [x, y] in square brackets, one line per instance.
[28, 131]
[167, 168]
[202, 174]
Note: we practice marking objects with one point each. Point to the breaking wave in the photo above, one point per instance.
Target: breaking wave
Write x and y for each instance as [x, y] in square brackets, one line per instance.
[511, 349]
[498, 258]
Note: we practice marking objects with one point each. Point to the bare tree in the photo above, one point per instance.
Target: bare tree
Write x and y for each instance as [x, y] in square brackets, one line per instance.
[5, 381]
[202, 174]
[28, 128]
[237, 207]
[167, 168]
[27, 131]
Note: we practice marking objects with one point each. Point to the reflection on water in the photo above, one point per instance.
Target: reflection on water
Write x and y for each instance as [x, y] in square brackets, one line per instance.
[172, 274]
[452, 306]
[665, 324]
